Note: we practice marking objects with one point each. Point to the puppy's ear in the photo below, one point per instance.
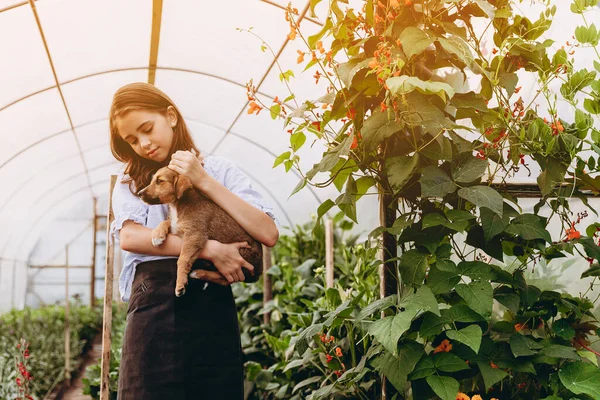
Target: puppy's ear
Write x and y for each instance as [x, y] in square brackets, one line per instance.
[182, 183]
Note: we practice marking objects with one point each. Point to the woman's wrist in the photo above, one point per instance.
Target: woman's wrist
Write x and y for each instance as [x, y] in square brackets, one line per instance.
[209, 250]
[204, 184]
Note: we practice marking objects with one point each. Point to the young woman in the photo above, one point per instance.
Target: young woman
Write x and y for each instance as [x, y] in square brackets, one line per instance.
[177, 347]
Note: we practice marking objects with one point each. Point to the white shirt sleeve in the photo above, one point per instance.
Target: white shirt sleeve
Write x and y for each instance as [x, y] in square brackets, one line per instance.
[126, 206]
[241, 185]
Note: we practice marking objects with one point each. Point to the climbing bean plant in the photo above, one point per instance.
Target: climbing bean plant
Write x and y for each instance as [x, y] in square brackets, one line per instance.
[392, 121]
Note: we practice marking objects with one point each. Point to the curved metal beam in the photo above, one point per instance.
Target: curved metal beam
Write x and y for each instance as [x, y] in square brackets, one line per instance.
[111, 71]
[60, 92]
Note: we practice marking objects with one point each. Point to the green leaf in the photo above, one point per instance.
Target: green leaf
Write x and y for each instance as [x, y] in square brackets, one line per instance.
[490, 375]
[397, 368]
[492, 223]
[275, 110]
[297, 140]
[455, 45]
[413, 265]
[470, 336]
[377, 306]
[483, 196]
[478, 296]
[558, 351]
[389, 329]
[476, 270]
[423, 369]
[508, 81]
[466, 168]
[529, 227]
[448, 362]
[563, 328]
[378, 127]
[299, 186]
[444, 386]
[401, 85]
[281, 158]
[508, 300]
[580, 377]
[441, 281]
[400, 169]
[522, 345]
[432, 325]
[588, 35]
[435, 182]
[414, 41]
[462, 313]
[423, 299]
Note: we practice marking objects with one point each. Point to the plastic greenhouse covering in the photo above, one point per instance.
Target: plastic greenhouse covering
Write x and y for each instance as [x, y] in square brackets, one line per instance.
[57, 81]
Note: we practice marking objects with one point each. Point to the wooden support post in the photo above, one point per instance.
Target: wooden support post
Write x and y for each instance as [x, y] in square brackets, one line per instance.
[67, 327]
[93, 269]
[108, 284]
[329, 253]
[267, 288]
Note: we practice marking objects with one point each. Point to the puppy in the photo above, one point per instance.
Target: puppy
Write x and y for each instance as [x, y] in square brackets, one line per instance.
[196, 219]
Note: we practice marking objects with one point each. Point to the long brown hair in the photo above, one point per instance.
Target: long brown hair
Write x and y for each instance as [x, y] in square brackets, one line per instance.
[144, 96]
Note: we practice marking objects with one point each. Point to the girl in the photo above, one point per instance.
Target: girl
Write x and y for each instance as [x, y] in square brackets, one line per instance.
[177, 347]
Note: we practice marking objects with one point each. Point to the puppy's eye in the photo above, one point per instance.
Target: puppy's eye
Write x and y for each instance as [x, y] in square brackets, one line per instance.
[158, 180]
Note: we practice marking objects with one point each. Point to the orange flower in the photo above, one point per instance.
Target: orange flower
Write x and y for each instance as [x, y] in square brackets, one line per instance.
[444, 346]
[573, 233]
[276, 100]
[254, 107]
[494, 51]
[383, 106]
[329, 55]
[354, 143]
[324, 106]
[300, 56]
[494, 366]
[292, 34]
[462, 396]
[317, 76]
[373, 63]
[519, 327]
[320, 47]
[476, 397]
[351, 113]
[338, 352]
[517, 90]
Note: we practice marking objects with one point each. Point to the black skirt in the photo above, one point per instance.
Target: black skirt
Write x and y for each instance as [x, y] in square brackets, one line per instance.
[180, 347]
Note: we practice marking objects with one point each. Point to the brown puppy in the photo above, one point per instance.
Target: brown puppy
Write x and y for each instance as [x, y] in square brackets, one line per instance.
[196, 218]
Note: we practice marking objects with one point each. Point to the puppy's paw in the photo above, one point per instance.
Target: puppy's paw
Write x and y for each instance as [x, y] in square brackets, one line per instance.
[158, 238]
[180, 287]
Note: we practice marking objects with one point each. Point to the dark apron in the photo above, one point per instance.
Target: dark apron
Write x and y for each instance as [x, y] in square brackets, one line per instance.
[180, 347]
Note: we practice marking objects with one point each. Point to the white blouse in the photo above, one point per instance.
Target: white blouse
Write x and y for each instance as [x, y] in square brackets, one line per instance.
[127, 206]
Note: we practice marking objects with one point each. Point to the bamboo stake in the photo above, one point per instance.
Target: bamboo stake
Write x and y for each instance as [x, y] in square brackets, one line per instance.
[329, 253]
[267, 288]
[107, 317]
[67, 327]
[93, 269]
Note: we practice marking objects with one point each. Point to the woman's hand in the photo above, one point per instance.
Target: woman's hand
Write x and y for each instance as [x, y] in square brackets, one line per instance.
[228, 261]
[187, 164]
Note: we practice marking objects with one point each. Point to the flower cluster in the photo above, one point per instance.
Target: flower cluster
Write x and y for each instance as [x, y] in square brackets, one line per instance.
[25, 377]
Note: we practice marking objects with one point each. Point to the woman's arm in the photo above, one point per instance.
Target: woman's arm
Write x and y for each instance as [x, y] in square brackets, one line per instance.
[136, 238]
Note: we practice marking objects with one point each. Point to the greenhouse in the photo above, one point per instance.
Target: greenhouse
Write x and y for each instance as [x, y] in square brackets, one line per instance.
[418, 182]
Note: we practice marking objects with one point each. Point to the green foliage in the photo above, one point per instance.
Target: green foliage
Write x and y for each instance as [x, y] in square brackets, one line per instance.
[394, 123]
[44, 328]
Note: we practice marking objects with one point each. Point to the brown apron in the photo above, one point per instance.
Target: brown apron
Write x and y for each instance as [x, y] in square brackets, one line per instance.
[180, 347]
